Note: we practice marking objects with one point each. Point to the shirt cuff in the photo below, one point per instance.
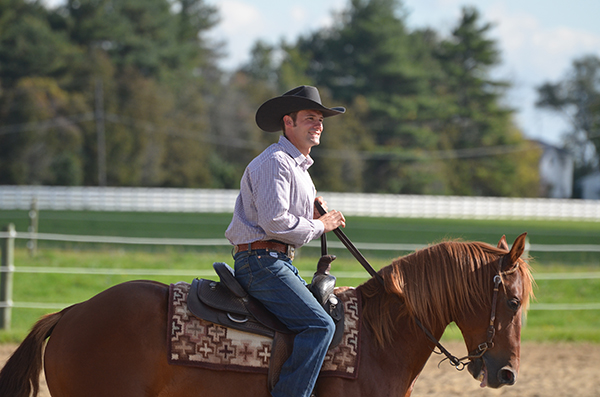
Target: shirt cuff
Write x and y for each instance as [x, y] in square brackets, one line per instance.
[319, 228]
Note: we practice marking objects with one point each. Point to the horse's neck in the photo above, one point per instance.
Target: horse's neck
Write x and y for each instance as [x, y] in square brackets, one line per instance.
[415, 346]
[397, 366]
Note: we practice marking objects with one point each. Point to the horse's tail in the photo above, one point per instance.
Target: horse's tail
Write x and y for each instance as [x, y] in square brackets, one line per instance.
[21, 374]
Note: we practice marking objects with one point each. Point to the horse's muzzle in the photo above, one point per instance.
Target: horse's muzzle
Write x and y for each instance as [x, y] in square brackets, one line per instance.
[506, 376]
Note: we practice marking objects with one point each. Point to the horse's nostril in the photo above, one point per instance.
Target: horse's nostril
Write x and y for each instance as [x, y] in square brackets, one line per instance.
[507, 376]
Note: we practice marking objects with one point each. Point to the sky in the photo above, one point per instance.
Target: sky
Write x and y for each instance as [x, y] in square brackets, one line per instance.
[538, 39]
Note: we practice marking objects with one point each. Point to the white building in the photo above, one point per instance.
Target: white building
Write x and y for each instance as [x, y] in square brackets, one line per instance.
[590, 186]
[556, 172]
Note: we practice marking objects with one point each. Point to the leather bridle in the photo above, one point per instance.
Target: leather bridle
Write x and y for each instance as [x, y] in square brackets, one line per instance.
[458, 363]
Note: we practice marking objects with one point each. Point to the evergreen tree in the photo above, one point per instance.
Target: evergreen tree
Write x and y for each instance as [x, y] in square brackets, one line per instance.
[29, 46]
[479, 120]
[425, 97]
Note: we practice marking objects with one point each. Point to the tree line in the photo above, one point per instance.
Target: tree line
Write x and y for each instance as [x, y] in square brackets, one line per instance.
[129, 93]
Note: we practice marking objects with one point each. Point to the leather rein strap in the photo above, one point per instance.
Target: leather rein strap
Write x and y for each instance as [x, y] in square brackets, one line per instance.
[348, 244]
[458, 363]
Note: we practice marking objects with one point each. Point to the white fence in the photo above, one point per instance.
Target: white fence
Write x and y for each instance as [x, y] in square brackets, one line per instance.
[203, 200]
[357, 204]
[117, 199]
[8, 269]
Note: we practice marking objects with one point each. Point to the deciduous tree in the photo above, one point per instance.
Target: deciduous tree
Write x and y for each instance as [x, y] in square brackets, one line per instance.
[577, 99]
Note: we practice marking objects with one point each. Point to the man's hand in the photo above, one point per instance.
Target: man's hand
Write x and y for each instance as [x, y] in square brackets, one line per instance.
[332, 220]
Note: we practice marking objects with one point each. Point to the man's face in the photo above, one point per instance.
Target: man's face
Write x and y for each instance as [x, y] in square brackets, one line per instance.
[306, 131]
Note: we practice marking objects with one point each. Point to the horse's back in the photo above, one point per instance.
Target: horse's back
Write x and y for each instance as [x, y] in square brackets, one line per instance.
[114, 341]
[115, 345]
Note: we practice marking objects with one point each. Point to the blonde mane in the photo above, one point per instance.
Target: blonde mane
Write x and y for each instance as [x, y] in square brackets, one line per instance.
[434, 284]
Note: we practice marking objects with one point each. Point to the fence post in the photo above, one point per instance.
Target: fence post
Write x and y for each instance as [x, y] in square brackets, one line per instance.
[6, 275]
[33, 227]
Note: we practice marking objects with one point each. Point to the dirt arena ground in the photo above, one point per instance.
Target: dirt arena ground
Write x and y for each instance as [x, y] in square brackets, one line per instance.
[547, 370]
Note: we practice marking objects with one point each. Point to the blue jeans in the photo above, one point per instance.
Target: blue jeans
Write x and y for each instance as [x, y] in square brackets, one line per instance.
[271, 278]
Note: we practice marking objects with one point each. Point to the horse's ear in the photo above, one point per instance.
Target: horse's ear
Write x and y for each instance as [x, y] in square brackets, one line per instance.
[516, 251]
[502, 243]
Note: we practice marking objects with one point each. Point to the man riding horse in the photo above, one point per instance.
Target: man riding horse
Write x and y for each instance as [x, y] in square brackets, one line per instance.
[274, 214]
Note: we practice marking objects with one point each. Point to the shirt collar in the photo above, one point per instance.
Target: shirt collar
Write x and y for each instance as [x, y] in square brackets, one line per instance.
[303, 161]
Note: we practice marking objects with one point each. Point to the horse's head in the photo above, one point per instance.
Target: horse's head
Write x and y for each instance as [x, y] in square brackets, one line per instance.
[493, 333]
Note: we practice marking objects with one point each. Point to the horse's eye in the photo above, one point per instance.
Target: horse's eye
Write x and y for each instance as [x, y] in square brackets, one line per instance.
[514, 304]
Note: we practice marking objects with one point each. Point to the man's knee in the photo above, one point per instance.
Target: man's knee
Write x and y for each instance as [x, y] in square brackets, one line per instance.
[325, 327]
[330, 327]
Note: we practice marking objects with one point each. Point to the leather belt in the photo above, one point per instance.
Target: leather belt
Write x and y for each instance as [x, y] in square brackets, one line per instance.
[266, 245]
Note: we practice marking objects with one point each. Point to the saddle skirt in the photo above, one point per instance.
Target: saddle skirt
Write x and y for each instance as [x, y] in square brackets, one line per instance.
[205, 344]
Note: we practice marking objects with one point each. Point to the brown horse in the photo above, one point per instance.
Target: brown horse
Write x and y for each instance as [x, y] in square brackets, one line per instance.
[98, 348]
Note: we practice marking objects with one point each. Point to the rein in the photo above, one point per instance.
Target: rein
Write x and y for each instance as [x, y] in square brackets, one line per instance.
[458, 363]
[348, 244]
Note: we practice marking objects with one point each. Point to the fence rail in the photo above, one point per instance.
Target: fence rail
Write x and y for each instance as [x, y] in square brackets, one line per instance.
[225, 242]
[357, 204]
[7, 268]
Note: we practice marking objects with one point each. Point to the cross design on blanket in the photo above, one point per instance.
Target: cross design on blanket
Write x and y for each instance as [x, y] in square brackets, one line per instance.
[226, 350]
[205, 349]
[195, 328]
[246, 351]
[216, 332]
[265, 353]
[204, 344]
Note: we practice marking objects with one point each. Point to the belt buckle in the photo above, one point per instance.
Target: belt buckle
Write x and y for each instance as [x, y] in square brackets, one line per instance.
[290, 251]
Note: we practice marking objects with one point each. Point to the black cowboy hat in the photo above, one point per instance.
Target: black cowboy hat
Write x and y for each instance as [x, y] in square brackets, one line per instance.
[305, 97]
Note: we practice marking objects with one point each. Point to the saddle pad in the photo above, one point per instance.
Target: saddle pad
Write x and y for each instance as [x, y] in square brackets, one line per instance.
[204, 344]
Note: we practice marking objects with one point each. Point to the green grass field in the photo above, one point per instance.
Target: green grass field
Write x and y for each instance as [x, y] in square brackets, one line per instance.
[541, 325]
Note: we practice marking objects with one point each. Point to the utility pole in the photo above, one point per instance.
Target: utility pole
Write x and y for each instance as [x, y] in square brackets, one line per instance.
[99, 115]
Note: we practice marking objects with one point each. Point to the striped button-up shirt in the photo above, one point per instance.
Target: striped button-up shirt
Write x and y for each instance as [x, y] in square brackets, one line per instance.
[276, 200]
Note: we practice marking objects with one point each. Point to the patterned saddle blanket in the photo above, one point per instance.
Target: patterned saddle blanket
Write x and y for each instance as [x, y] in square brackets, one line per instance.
[203, 344]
